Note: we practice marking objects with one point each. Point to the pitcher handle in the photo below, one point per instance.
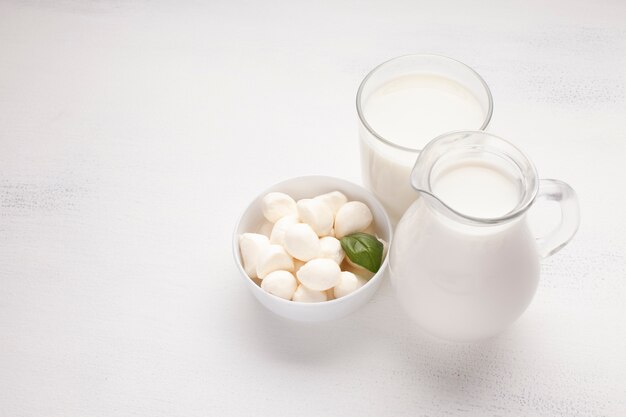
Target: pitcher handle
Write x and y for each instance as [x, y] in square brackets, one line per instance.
[565, 196]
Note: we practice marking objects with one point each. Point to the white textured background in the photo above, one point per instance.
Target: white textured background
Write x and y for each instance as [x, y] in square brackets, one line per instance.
[133, 133]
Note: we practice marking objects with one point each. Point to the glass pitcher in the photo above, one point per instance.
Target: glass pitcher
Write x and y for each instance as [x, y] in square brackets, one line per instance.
[464, 263]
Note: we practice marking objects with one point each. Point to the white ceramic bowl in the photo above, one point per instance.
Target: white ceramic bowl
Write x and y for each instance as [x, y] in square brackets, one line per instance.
[307, 187]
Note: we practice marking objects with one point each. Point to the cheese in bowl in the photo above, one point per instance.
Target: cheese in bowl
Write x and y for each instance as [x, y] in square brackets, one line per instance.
[314, 249]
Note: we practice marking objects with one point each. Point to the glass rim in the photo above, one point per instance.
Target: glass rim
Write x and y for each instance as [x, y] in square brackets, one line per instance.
[371, 130]
[527, 200]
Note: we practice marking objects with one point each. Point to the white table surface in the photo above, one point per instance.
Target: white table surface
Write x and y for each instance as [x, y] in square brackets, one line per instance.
[132, 135]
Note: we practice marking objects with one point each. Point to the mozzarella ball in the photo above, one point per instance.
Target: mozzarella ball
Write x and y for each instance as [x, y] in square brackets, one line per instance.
[362, 280]
[266, 228]
[277, 237]
[316, 214]
[352, 217]
[334, 200]
[347, 284]
[331, 248]
[275, 206]
[301, 242]
[306, 295]
[371, 230]
[320, 274]
[297, 264]
[273, 258]
[280, 283]
[251, 245]
[357, 270]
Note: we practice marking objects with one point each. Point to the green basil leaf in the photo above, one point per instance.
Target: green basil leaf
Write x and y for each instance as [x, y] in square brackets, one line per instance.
[363, 249]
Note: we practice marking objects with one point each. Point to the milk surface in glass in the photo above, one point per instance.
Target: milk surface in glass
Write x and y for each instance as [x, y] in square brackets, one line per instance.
[409, 111]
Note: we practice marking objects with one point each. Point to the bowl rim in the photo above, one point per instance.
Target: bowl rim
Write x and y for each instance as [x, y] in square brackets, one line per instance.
[377, 276]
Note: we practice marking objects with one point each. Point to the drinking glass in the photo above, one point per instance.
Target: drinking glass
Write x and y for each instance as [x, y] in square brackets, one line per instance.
[386, 158]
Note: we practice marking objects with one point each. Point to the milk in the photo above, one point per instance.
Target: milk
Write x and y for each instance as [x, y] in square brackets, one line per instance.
[413, 109]
[476, 188]
[462, 282]
[464, 262]
[409, 111]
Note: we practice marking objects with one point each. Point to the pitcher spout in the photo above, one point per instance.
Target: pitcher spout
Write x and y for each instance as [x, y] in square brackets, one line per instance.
[475, 178]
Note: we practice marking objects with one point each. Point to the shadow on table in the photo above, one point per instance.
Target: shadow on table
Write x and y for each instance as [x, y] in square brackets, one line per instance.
[379, 330]
[315, 343]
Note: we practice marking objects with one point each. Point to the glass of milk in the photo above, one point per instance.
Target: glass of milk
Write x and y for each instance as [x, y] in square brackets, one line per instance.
[404, 103]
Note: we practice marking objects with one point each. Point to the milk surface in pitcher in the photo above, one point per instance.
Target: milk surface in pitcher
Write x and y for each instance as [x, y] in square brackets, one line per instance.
[409, 111]
[477, 188]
